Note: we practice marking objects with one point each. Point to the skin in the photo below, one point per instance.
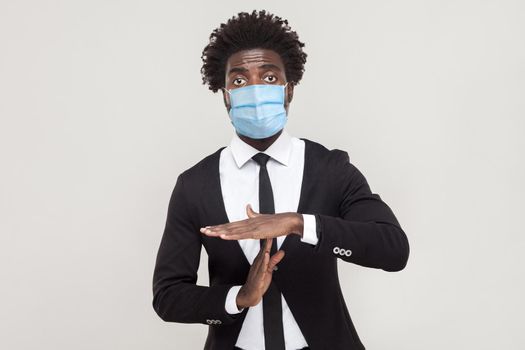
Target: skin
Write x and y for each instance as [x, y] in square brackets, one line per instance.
[243, 68]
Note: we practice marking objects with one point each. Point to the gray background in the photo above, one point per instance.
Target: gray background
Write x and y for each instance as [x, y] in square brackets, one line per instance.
[102, 107]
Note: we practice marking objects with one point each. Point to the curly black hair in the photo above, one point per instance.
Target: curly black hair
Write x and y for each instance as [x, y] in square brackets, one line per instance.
[248, 31]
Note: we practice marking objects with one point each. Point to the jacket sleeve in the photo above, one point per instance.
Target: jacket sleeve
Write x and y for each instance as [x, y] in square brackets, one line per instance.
[366, 232]
[176, 297]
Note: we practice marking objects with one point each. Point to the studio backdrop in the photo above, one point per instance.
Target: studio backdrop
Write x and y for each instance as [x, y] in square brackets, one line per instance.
[102, 107]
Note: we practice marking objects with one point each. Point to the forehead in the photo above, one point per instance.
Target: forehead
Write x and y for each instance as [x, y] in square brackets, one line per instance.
[252, 58]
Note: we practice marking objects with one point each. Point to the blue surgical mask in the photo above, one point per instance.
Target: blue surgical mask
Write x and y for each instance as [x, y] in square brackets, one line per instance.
[257, 111]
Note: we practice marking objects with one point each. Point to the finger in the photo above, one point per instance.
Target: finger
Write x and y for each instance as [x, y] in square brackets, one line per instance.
[224, 231]
[263, 251]
[216, 230]
[268, 245]
[267, 249]
[260, 255]
[258, 227]
[232, 228]
[236, 237]
[265, 262]
[252, 232]
[229, 225]
[209, 231]
[275, 259]
[257, 262]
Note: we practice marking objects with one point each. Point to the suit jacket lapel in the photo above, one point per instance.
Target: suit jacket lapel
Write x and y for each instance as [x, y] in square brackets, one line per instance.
[308, 181]
[217, 202]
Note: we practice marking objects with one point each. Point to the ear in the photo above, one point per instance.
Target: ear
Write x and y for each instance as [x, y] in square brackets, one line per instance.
[290, 87]
[226, 98]
[289, 94]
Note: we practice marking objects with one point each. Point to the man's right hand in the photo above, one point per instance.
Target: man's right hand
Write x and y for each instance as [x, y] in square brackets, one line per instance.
[259, 277]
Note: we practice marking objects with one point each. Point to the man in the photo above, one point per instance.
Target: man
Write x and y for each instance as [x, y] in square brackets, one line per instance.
[275, 213]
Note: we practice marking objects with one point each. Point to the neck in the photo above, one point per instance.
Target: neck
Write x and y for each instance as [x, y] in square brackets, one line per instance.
[261, 144]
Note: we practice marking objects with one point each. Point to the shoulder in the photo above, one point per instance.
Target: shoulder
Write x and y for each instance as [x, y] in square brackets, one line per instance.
[342, 173]
[320, 153]
[201, 170]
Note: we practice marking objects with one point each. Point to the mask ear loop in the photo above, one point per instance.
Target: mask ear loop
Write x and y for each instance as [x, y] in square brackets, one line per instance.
[229, 98]
[285, 91]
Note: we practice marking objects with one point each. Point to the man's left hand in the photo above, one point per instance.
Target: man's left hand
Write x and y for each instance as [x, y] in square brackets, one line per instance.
[258, 226]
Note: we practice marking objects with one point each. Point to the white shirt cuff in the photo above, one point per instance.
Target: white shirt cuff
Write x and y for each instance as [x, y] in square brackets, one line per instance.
[231, 300]
[309, 229]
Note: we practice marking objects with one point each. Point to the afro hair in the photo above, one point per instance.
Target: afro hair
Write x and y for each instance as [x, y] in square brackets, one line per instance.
[248, 31]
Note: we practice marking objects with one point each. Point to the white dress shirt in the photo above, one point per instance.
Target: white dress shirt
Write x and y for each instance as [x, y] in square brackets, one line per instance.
[239, 176]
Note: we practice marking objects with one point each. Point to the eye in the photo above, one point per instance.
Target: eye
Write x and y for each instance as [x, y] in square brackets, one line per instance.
[238, 81]
[270, 79]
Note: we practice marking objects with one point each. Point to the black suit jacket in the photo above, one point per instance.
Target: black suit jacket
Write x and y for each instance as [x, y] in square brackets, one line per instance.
[349, 218]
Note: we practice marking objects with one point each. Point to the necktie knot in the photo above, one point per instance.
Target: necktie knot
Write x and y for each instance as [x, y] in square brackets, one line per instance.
[261, 158]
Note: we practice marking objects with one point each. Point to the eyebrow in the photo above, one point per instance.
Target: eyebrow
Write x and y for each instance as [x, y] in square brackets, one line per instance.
[238, 70]
[262, 66]
[269, 65]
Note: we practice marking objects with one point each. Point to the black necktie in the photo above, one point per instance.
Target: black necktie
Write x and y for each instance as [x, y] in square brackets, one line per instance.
[272, 309]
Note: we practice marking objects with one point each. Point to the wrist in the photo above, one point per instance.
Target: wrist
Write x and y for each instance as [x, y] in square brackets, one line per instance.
[240, 300]
[297, 224]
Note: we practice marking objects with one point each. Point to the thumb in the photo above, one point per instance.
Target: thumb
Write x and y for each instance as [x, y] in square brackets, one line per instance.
[250, 212]
[275, 259]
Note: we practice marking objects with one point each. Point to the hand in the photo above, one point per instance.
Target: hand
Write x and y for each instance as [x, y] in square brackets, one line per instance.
[259, 277]
[258, 226]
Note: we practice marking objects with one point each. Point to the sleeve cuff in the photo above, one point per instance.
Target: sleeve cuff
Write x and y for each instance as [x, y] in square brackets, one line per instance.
[231, 300]
[309, 229]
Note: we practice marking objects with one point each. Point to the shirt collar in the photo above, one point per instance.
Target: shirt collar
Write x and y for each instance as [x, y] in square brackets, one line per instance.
[279, 150]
